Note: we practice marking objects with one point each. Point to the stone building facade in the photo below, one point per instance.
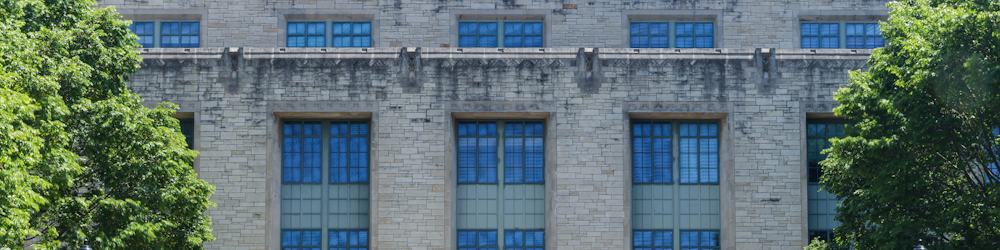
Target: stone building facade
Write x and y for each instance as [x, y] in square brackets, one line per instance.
[415, 86]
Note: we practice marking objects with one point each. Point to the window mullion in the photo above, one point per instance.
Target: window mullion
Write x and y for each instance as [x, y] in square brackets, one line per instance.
[501, 200]
[671, 35]
[156, 34]
[325, 184]
[675, 131]
[842, 34]
[500, 39]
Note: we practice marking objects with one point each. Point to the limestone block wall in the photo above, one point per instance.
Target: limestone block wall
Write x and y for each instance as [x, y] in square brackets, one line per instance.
[238, 96]
[568, 23]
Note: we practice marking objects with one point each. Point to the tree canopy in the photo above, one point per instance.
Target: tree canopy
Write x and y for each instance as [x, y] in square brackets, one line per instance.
[80, 157]
[920, 162]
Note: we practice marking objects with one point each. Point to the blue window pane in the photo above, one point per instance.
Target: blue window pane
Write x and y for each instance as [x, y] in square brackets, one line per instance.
[513, 29]
[639, 28]
[362, 41]
[810, 42]
[468, 28]
[872, 29]
[703, 42]
[362, 28]
[468, 41]
[300, 239]
[640, 42]
[829, 42]
[855, 29]
[348, 239]
[513, 41]
[341, 41]
[487, 28]
[659, 42]
[703, 29]
[855, 42]
[316, 28]
[659, 28]
[684, 28]
[487, 41]
[342, 28]
[532, 41]
[533, 28]
[829, 29]
[810, 29]
[874, 42]
[652, 239]
[487, 238]
[685, 42]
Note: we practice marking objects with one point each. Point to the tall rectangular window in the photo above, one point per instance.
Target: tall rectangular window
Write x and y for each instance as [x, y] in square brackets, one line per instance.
[324, 190]
[145, 31]
[352, 34]
[821, 204]
[187, 128]
[864, 36]
[500, 34]
[179, 34]
[306, 34]
[675, 191]
[501, 185]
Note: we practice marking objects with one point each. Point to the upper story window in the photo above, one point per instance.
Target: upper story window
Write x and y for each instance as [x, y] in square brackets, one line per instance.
[842, 35]
[329, 34]
[500, 34]
[864, 35]
[306, 34]
[167, 34]
[684, 35]
[145, 31]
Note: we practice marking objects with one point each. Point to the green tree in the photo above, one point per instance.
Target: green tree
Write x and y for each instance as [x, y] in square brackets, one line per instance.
[79, 156]
[919, 162]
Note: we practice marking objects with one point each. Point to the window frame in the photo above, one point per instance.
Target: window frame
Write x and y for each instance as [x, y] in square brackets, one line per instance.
[326, 176]
[500, 32]
[841, 36]
[672, 40]
[158, 32]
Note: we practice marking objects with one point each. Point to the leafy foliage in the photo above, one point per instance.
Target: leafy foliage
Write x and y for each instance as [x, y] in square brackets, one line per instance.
[917, 164]
[79, 156]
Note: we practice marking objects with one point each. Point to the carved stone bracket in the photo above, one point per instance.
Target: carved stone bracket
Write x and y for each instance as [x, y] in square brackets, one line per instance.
[491, 106]
[819, 107]
[322, 106]
[183, 106]
[679, 107]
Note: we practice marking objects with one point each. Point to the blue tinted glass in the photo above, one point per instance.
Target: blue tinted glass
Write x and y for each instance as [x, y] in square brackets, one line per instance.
[513, 41]
[829, 29]
[874, 42]
[872, 29]
[532, 41]
[487, 28]
[855, 29]
[659, 28]
[640, 42]
[341, 28]
[810, 29]
[316, 41]
[685, 42]
[468, 41]
[316, 28]
[703, 29]
[703, 42]
[487, 238]
[689, 239]
[533, 28]
[362, 28]
[684, 28]
[659, 42]
[810, 42]
[296, 41]
[487, 41]
[513, 29]
[466, 238]
[341, 41]
[855, 42]
[639, 28]
[829, 42]
[468, 28]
